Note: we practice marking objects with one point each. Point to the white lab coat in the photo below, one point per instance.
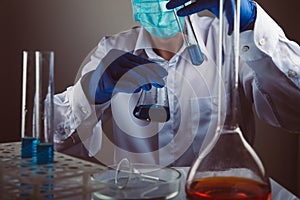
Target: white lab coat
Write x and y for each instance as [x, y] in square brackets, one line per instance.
[269, 75]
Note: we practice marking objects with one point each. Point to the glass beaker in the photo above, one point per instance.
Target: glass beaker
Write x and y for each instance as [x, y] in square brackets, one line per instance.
[228, 167]
[37, 105]
[153, 104]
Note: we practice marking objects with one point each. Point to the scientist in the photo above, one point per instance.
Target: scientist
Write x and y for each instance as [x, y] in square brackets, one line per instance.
[94, 117]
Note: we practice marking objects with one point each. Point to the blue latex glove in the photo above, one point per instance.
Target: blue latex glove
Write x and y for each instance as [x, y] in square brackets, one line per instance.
[247, 11]
[121, 71]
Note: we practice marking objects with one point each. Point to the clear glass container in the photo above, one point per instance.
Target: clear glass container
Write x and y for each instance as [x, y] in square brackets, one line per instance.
[228, 167]
[138, 181]
[190, 40]
[153, 104]
[37, 106]
[45, 114]
[28, 134]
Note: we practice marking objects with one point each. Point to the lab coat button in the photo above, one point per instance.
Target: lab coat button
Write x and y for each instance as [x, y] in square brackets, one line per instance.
[262, 42]
[67, 131]
[292, 74]
[215, 101]
[245, 48]
[83, 109]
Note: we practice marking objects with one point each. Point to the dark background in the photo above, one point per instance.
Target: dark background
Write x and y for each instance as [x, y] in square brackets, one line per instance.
[71, 28]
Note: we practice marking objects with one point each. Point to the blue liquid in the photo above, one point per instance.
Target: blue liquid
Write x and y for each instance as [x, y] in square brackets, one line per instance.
[154, 113]
[29, 147]
[45, 189]
[45, 153]
[195, 54]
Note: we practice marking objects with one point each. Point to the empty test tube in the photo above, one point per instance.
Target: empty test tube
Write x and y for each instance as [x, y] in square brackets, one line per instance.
[192, 46]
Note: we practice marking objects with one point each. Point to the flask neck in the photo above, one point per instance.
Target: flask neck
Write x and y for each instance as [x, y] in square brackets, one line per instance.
[228, 64]
[231, 105]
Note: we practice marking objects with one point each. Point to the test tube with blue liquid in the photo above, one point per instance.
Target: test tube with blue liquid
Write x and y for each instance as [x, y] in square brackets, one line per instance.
[190, 41]
[44, 106]
[37, 106]
[28, 134]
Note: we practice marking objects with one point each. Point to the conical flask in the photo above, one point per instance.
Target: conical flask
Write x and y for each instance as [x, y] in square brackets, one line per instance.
[153, 104]
[228, 167]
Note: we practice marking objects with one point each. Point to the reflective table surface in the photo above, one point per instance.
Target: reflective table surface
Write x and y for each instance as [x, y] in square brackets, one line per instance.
[69, 178]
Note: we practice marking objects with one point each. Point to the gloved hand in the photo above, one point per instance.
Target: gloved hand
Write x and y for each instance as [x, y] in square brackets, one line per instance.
[247, 11]
[121, 71]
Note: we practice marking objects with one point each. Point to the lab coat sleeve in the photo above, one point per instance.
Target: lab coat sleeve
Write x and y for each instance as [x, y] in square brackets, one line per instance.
[74, 114]
[274, 61]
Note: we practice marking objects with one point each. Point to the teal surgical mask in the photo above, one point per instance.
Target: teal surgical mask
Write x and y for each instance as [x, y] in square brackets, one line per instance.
[156, 18]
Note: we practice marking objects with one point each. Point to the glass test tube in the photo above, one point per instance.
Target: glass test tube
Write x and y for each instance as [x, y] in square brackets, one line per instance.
[37, 106]
[44, 106]
[28, 134]
[190, 41]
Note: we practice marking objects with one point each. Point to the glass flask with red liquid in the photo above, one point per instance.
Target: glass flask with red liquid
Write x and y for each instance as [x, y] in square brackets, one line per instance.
[228, 168]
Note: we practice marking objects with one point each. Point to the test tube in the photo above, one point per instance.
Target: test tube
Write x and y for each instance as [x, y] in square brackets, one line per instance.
[37, 106]
[190, 41]
[29, 136]
[44, 106]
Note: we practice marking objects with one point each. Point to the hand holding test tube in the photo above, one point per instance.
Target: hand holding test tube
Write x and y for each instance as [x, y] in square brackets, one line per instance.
[191, 42]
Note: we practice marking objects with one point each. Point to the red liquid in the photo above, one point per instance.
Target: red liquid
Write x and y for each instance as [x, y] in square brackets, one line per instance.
[227, 188]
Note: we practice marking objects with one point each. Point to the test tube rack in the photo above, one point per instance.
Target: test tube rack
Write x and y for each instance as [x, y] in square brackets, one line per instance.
[66, 178]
